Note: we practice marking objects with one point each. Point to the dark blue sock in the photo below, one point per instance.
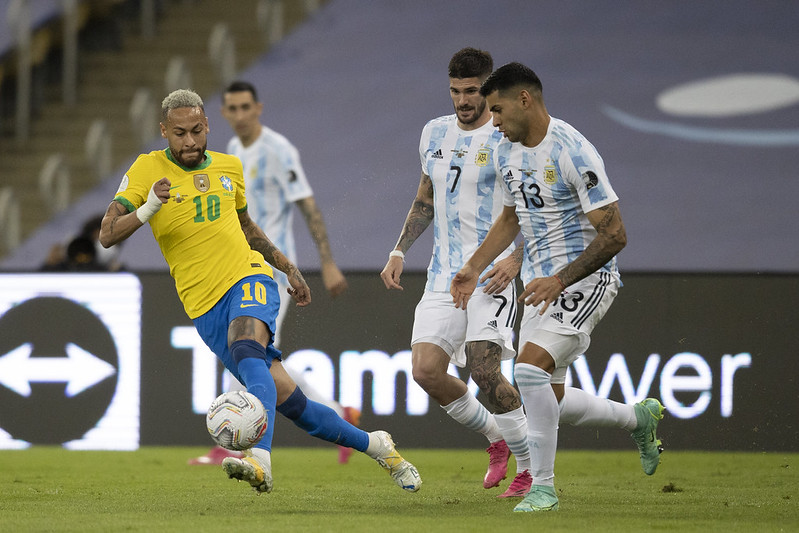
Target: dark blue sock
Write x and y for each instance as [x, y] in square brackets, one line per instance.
[250, 358]
[322, 422]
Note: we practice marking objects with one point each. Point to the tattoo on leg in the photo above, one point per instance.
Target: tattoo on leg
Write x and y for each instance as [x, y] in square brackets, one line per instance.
[242, 327]
[484, 359]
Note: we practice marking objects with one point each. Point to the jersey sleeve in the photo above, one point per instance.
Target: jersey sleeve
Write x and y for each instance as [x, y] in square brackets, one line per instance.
[588, 177]
[292, 178]
[135, 185]
[424, 142]
[499, 155]
[238, 184]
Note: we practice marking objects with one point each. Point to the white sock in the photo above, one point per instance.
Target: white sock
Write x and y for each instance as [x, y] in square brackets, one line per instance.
[578, 408]
[375, 447]
[264, 457]
[542, 420]
[513, 426]
[471, 413]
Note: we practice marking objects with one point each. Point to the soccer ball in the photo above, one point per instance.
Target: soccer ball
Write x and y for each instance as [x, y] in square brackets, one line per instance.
[236, 420]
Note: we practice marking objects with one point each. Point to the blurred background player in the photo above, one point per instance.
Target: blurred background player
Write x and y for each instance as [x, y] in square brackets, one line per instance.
[276, 181]
[77, 256]
[461, 194]
[554, 179]
[222, 264]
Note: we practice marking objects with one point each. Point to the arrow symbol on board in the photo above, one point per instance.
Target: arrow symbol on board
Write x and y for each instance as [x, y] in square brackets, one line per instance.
[79, 369]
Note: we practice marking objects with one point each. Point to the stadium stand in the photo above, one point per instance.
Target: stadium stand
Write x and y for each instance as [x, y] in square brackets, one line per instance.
[702, 189]
[123, 57]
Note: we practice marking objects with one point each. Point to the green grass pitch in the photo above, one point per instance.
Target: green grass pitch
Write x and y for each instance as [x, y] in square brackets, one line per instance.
[153, 489]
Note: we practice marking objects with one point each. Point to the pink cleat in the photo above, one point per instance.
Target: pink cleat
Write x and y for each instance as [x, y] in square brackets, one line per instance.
[215, 456]
[519, 487]
[353, 416]
[498, 455]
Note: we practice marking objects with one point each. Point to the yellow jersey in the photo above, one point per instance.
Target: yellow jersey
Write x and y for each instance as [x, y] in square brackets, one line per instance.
[198, 229]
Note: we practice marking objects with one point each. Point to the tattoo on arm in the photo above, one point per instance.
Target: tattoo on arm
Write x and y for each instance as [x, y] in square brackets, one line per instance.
[518, 254]
[260, 243]
[420, 215]
[610, 239]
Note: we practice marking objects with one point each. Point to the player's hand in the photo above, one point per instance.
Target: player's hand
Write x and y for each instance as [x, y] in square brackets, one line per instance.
[298, 290]
[501, 275]
[391, 273]
[545, 290]
[462, 287]
[158, 196]
[161, 189]
[333, 279]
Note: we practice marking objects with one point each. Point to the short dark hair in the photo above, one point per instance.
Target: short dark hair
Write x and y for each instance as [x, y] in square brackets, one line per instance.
[470, 63]
[240, 86]
[91, 226]
[81, 246]
[509, 76]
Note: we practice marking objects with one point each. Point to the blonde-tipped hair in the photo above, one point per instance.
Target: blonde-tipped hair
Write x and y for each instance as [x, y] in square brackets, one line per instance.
[180, 98]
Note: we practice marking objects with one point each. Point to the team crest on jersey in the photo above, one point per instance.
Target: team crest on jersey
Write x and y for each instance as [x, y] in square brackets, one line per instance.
[201, 182]
[227, 183]
[550, 174]
[482, 157]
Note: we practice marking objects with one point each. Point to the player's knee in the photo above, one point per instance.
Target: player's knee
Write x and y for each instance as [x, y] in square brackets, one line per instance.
[427, 378]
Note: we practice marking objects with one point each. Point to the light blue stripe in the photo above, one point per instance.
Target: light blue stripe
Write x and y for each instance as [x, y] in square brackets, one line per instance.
[738, 137]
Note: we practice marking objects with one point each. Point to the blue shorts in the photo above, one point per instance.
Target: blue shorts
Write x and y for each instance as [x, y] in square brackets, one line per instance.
[256, 296]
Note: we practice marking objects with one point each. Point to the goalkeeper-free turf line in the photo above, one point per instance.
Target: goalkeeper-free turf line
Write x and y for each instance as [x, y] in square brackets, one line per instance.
[153, 489]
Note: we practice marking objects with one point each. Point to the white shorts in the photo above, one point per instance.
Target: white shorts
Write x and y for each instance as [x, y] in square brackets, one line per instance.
[488, 317]
[564, 331]
[285, 301]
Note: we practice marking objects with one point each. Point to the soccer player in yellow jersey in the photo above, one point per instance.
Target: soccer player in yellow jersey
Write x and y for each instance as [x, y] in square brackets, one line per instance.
[222, 264]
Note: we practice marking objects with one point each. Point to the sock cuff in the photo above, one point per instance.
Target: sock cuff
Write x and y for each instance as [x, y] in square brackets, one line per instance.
[527, 375]
[294, 405]
[461, 402]
[516, 414]
[245, 348]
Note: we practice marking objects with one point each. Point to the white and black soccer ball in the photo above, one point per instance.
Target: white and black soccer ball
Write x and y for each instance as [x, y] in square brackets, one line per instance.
[236, 420]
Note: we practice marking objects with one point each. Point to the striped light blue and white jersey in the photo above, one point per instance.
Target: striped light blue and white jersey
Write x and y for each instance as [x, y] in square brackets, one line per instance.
[467, 193]
[274, 180]
[553, 186]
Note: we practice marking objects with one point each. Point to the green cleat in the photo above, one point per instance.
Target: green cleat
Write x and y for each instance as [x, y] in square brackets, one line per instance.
[540, 498]
[648, 412]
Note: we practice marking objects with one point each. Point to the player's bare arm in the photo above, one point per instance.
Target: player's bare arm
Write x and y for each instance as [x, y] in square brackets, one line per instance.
[419, 216]
[416, 222]
[504, 272]
[610, 239]
[333, 279]
[500, 236]
[259, 242]
[118, 224]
